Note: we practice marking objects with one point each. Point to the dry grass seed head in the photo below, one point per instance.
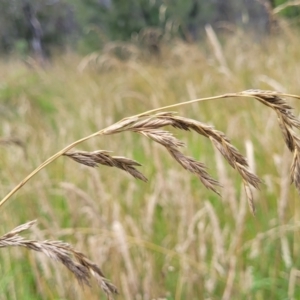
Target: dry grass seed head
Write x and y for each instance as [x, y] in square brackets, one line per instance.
[102, 157]
[222, 143]
[74, 261]
[172, 144]
[149, 126]
[287, 120]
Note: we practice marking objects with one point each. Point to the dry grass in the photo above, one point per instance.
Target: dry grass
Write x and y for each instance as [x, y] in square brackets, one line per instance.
[168, 238]
[149, 124]
[61, 252]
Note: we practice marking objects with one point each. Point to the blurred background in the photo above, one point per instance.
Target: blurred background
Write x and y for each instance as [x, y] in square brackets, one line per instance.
[43, 28]
[70, 68]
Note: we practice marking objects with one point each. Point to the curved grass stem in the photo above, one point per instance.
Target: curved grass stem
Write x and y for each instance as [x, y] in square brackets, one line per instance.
[247, 94]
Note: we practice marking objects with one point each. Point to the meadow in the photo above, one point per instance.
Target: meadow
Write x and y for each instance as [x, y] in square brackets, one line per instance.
[168, 238]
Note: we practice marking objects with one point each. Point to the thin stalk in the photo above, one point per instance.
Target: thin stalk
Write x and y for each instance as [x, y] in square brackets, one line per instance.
[102, 132]
[46, 163]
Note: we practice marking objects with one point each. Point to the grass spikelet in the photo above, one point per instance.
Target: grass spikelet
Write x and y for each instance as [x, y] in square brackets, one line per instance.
[222, 143]
[148, 127]
[196, 167]
[76, 262]
[102, 157]
[287, 120]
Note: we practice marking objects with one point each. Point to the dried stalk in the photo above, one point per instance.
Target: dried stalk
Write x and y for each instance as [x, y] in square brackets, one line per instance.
[135, 123]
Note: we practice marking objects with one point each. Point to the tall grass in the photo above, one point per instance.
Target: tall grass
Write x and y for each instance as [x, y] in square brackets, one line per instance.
[169, 238]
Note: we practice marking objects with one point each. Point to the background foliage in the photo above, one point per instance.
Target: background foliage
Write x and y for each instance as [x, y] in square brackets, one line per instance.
[88, 25]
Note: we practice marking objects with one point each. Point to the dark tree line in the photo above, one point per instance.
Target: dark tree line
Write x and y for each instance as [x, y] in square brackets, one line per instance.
[39, 26]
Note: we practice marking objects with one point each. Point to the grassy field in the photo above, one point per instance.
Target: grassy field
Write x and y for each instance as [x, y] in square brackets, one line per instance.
[169, 238]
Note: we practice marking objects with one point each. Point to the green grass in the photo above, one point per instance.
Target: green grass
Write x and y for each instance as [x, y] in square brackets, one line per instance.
[181, 239]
